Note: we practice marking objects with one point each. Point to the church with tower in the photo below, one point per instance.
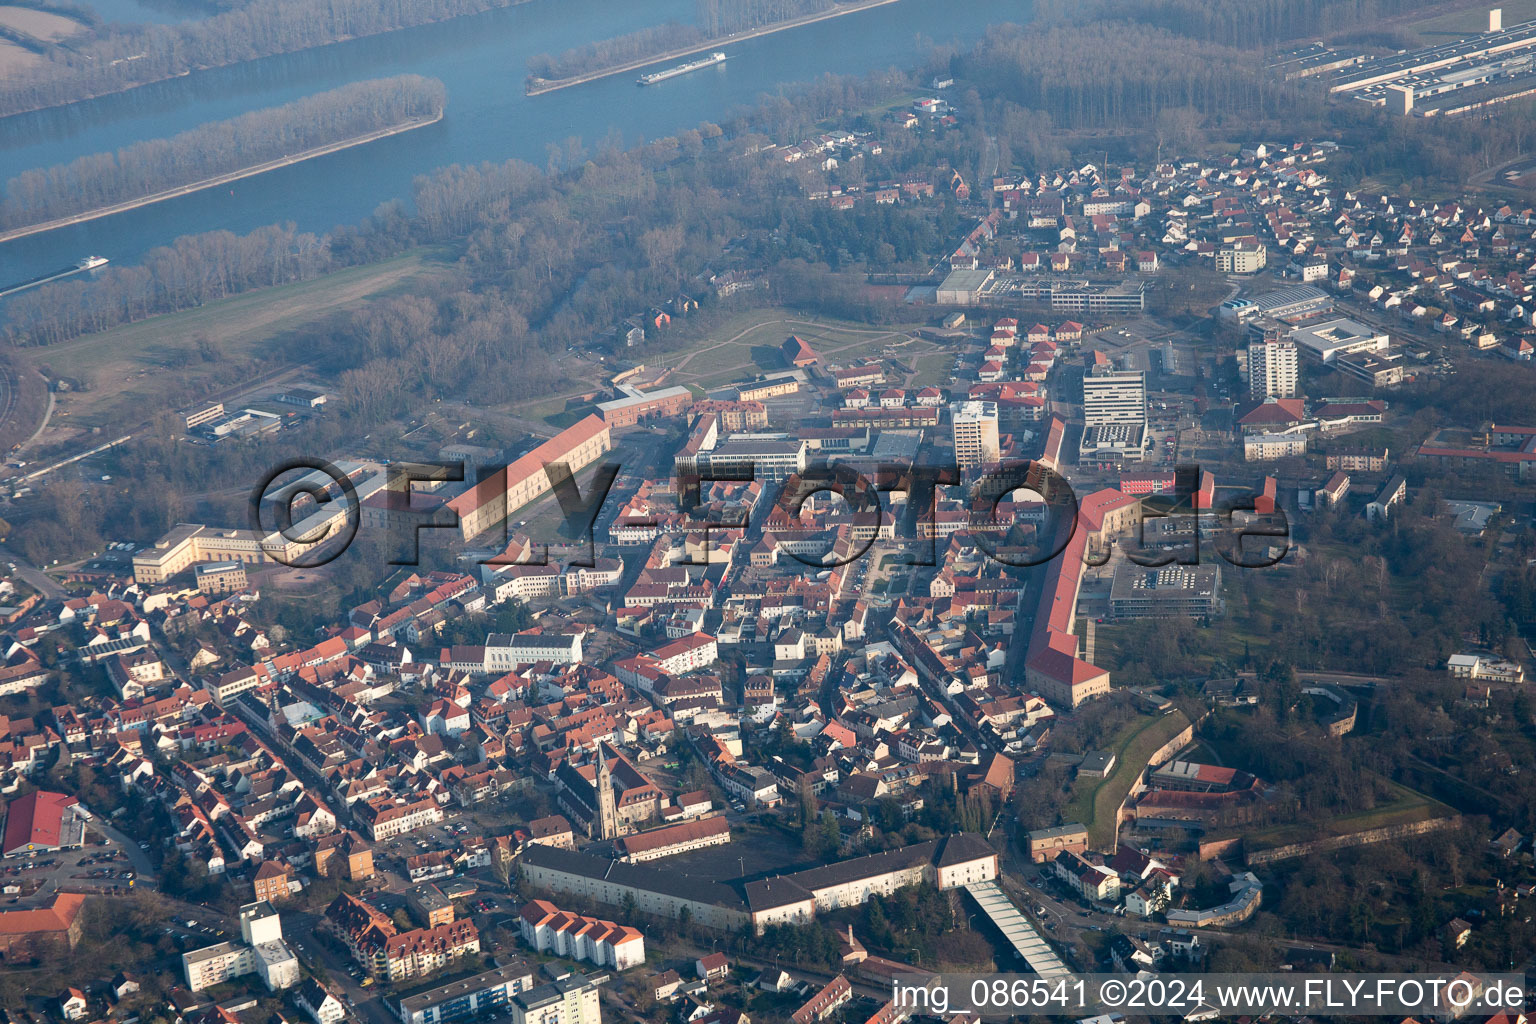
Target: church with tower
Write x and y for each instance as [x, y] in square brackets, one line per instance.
[608, 796]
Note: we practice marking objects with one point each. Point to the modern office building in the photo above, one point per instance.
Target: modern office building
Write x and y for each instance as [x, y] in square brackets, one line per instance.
[1324, 342]
[1114, 415]
[773, 457]
[1114, 396]
[1139, 592]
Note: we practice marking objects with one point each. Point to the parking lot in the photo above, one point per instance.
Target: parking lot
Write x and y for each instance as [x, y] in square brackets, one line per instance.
[100, 864]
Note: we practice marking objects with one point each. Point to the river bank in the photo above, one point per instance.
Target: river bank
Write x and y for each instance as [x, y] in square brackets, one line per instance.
[481, 61]
[219, 179]
[86, 95]
[539, 86]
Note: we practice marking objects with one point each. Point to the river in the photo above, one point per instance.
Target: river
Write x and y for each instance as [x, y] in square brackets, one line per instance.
[482, 62]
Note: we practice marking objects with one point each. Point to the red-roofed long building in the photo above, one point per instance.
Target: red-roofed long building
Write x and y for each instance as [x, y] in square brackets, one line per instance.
[498, 495]
[1053, 668]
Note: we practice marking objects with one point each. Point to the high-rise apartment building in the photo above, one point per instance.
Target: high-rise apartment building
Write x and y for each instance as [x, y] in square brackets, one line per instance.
[976, 438]
[1272, 369]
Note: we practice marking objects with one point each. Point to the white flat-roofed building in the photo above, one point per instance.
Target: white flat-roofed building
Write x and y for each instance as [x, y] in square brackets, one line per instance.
[505, 652]
[1264, 447]
[764, 456]
[260, 922]
[1242, 258]
[276, 964]
[567, 1001]
[216, 964]
[1115, 396]
[204, 414]
[1325, 341]
[1114, 414]
[1485, 669]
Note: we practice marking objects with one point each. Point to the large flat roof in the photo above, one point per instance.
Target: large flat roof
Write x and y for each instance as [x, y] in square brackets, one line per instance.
[667, 881]
[35, 821]
[420, 1000]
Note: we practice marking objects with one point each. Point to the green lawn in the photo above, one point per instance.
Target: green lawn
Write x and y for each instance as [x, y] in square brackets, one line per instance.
[747, 344]
[1469, 21]
[933, 368]
[1095, 801]
[131, 369]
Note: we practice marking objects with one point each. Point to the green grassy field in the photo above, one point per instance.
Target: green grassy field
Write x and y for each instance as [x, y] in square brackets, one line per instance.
[1095, 801]
[748, 344]
[1469, 21]
[742, 347]
[129, 370]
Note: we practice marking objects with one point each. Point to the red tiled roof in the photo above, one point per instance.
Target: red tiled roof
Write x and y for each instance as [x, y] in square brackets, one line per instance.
[56, 917]
[551, 451]
[36, 819]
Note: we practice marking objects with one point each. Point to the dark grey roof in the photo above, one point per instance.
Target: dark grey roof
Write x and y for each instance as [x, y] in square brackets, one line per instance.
[667, 881]
[556, 991]
[845, 871]
[962, 847]
[767, 893]
[423, 998]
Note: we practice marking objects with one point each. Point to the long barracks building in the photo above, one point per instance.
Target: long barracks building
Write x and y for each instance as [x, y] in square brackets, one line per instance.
[796, 898]
[503, 492]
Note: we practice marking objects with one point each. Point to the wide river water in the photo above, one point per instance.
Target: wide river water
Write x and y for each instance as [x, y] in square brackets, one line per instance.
[482, 62]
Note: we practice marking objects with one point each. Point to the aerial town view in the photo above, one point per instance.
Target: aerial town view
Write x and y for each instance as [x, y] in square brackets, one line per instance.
[767, 511]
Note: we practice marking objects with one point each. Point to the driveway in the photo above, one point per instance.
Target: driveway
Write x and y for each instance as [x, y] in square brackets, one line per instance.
[32, 576]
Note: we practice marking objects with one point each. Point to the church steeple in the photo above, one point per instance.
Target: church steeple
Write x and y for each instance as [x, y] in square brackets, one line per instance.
[607, 812]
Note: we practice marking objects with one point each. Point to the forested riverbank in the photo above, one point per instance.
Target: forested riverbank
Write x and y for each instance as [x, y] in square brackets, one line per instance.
[716, 19]
[232, 147]
[123, 57]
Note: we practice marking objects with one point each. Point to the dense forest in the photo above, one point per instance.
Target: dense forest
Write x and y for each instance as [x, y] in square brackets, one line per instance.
[123, 57]
[220, 147]
[1243, 24]
[607, 53]
[1116, 74]
[716, 19]
[723, 17]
